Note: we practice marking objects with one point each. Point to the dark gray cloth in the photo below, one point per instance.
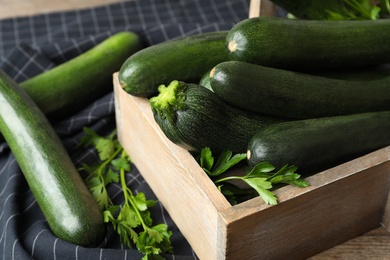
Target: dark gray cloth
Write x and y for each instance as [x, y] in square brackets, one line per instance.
[31, 45]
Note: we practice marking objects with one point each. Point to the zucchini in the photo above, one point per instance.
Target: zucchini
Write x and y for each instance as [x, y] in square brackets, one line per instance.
[296, 95]
[185, 59]
[317, 144]
[363, 73]
[70, 210]
[309, 44]
[205, 80]
[72, 85]
[193, 117]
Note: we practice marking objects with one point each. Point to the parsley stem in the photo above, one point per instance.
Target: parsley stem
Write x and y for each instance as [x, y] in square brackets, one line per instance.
[129, 197]
[228, 178]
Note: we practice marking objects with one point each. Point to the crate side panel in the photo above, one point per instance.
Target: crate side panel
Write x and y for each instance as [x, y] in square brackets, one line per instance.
[312, 222]
[174, 180]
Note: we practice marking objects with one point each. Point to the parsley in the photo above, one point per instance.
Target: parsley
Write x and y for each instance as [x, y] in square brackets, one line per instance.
[261, 178]
[132, 221]
[356, 9]
[385, 7]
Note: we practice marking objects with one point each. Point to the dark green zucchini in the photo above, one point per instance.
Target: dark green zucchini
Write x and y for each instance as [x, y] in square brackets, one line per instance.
[362, 73]
[205, 80]
[310, 44]
[317, 144]
[74, 84]
[296, 95]
[70, 210]
[194, 117]
[185, 59]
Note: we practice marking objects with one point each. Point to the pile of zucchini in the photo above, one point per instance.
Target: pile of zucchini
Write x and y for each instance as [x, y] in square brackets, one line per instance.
[308, 93]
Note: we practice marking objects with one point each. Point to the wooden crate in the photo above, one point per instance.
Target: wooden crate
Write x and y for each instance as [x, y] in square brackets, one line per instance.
[341, 203]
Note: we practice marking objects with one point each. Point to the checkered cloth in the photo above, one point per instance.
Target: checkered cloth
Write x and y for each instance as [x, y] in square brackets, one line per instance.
[31, 45]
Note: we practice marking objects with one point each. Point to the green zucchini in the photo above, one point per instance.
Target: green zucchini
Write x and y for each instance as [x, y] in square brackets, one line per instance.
[193, 117]
[205, 80]
[185, 59]
[77, 82]
[310, 44]
[71, 211]
[317, 144]
[296, 95]
[362, 73]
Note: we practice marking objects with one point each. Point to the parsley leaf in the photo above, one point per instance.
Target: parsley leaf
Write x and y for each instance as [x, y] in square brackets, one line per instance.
[121, 163]
[261, 178]
[262, 186]
[98, 190]
[206, 159]
[357, 9]
[224, 162]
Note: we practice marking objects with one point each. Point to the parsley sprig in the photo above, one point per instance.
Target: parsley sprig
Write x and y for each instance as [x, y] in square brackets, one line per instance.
[132, 220]
[262, 178]
[359, 9]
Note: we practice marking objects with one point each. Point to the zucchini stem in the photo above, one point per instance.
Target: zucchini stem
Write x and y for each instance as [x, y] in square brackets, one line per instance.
[169, 99]
[232, 46]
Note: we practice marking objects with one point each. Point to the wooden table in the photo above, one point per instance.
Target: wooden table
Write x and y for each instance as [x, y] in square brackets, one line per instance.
[372, 245]
[14, 8]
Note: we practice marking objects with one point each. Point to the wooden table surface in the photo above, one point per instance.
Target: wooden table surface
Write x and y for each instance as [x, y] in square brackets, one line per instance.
[14, 8]
[372, 245]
